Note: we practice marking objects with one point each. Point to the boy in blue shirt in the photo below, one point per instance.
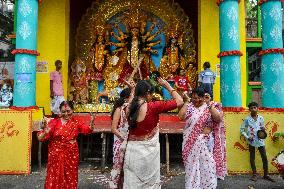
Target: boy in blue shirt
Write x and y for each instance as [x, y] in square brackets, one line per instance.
[249, 128]
[206, 79]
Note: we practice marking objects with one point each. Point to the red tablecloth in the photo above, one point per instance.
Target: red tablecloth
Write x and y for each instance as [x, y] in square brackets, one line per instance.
[169, 123]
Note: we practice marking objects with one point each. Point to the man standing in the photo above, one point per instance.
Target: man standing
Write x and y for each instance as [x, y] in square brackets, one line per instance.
[56, 88]
[249, 129]
[206, 79]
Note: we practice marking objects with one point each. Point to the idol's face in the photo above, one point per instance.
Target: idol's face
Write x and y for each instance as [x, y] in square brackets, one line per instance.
[100, 38]
[135, 31]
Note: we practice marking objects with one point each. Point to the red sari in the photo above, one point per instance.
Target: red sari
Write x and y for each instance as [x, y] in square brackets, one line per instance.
[63, 153]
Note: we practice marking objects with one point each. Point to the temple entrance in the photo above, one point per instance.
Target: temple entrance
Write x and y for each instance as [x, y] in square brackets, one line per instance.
[127, 40]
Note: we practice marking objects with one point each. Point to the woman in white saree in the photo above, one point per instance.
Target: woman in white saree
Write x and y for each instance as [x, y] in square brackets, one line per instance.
[120, 130]
[203, 148]
[142, 156]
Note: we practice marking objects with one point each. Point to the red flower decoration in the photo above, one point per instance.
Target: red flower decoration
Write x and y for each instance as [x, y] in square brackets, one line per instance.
[230, 53]
[271, 50]
[221, 1]
[25, 51]
[265, 1]
[24, 108]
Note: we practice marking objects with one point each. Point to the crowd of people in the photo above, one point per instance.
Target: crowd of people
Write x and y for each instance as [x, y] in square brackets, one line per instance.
[135, 125]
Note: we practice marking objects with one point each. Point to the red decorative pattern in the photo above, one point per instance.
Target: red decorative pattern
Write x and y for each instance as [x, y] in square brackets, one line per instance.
[233, 109]
[24, 108]
[265, 1]
[28, 159]
[230, 53]
[25, 51]
[271, 50]
[272, 109]
[221, 1]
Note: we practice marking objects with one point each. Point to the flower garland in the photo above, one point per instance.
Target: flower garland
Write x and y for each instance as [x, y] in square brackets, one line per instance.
[24, 108]
[271, 50]
[25, 51]
[221, 1]
[265, 1]
[230, 53]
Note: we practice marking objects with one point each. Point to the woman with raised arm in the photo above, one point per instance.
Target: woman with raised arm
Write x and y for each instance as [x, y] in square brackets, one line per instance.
[63, 151]
[142, 156]
[119, 128]
[203, 147]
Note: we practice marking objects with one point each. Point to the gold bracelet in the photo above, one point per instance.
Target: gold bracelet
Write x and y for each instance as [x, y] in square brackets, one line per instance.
[172, 91]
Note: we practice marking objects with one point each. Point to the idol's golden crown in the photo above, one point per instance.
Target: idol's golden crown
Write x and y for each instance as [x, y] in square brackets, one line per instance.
[135, 16]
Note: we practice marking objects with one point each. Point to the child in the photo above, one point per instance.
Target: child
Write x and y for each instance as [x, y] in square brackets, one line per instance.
[206, 78]
[181, 82]
[249, 128]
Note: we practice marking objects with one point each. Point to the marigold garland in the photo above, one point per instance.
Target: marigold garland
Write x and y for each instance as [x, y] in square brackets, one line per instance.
[221, 1]
[265, 1]
[230, 53]
[25, 51]
[271, 50]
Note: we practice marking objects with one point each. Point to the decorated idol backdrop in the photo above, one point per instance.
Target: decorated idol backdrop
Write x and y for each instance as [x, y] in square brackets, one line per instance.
[129, 40]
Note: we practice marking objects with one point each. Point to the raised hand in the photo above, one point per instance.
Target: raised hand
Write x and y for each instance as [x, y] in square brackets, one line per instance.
[207, 98]
[130, 83]
[163, 82]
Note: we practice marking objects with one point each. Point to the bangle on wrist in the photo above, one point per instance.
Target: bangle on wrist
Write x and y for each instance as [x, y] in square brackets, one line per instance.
[172, 91]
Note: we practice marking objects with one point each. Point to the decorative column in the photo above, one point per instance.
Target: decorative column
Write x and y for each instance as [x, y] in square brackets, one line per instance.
[230, 77]
[272, 69]
[25, 54]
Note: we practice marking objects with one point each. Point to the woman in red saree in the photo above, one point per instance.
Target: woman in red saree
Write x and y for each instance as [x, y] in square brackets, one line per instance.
[63, 152]
[203, 148]
[142, 157]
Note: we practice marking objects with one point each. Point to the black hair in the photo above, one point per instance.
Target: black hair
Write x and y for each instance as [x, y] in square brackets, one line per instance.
[252, 104]
[125, 93]
[142, 88]
[69, 103]
[199, 91]
[179, 70]
[206, 65]
[57, 62]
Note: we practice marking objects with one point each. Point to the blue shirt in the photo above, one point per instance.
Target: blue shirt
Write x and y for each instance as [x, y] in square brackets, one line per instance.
[207, 76]
[250, 127]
